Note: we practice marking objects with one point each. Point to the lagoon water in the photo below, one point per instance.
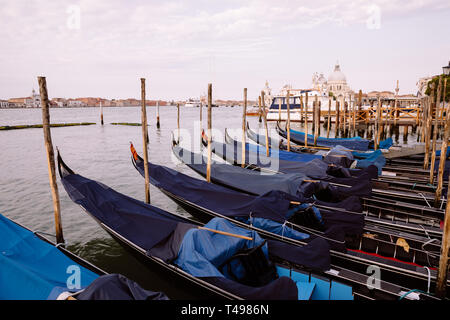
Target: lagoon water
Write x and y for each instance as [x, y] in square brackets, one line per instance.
[100, 153]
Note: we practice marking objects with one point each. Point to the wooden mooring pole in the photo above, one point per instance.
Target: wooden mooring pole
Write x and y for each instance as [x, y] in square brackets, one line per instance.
[259, 110]
[329, 117]
[435, 131]
[441, 285]
[50, 158]
[288, 122]
[145, 141]
[208, 166]
[244, 122]
[265, 123]
[316, 120]
[178, 121]
[101, 113]
[157, 115]
[428, 130]
[279, 109]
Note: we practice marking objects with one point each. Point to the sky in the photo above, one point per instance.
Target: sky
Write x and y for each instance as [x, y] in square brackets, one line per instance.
[101, 48]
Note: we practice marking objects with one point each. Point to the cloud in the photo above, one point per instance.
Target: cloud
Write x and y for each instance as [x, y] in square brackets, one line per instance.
[127, 36]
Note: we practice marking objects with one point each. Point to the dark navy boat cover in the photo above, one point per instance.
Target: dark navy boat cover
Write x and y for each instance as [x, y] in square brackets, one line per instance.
[131, 218]
[151, 229]
[117, 287]
[274, 206]
[255, 183]
[315, 169]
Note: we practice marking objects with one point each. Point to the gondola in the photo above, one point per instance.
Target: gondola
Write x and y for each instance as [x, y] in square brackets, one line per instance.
[191, 253]
[320, 170]
[394, 169]
[33, 268]
[279, 143]
[355, 143]
[319, 193]
[401, 175]
[375, 203]
[206, 201]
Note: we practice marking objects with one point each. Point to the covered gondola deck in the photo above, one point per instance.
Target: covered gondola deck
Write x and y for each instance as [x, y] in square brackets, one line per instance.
[351, 258]
[404, 200]
[332, 283]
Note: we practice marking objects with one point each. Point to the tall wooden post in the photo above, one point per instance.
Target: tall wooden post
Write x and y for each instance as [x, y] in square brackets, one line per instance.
[265, 123]
[428, 132]
[435, 131]
[208, 167]
[50, 158]
[101, 113]
[288, 123]
[337, 118]
[244, 114]
[344, 105]
[259, 110]
[306, 107]
[279, 109]
[442, 160]
[145, 140]
[444, 96]
[377, 124]
[301, 108]
[395, 105]
[441, 285]
[178, 120]
[157, 115]
[306, 119]
[316, 119]
[329, 117]
[314, 106]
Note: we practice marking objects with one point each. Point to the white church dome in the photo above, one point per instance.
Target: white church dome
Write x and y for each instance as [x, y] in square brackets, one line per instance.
[337, 75]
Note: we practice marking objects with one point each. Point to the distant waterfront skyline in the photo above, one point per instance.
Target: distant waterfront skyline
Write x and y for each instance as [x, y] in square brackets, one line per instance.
[102, 48]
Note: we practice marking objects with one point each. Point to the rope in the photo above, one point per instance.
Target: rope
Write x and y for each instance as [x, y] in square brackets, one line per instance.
[409, 292]
[424, 198]
[429, 279]
[442, 202]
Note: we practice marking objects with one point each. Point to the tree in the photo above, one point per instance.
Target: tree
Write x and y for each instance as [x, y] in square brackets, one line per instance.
[435, 80]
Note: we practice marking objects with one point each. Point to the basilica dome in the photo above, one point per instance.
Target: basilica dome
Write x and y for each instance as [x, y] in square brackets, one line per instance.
[337, 75]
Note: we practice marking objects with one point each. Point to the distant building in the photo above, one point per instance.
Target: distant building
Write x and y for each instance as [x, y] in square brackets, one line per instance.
[422, 85]
[35, 100]
[20, 102]
[337, 83]
[75, 103]
[446, 69]
[4, 103]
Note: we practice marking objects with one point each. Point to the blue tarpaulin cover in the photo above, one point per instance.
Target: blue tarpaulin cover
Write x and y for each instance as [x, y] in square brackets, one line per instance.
[354, 143]
[32, 269]
[202, 251]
